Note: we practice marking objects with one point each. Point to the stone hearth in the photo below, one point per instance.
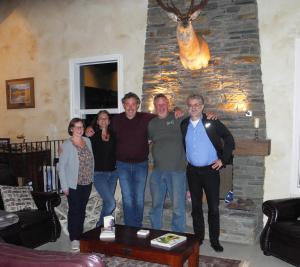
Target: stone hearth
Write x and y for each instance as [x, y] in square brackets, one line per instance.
[238, 226]
[240, 221]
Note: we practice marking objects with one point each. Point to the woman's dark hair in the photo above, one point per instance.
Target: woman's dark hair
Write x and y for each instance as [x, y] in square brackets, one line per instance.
[102, 111]
[95, 119]
[72, 124]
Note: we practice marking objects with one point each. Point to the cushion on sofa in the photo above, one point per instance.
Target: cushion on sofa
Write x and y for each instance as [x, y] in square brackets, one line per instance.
[287, 229]
[6, 178]
[17, 198]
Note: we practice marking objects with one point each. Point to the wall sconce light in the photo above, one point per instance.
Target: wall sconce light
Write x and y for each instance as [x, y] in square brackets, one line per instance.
[241, 107]
[150, 108]
[248, 113]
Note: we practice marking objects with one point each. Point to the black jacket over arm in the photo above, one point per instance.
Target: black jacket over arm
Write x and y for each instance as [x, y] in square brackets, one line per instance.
[218, 134]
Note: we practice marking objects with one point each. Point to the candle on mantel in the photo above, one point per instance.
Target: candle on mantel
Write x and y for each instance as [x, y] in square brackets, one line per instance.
[256, 123]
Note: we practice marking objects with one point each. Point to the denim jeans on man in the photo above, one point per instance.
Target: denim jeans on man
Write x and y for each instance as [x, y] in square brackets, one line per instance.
[105, 184]
[132, 177]
[173, 183]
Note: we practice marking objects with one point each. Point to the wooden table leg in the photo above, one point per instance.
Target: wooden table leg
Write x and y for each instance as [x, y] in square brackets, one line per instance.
[193, 260]
[177, 262]
[84, 247]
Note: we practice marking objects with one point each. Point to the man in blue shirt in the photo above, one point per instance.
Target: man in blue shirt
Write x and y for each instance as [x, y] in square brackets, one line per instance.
[209, 146]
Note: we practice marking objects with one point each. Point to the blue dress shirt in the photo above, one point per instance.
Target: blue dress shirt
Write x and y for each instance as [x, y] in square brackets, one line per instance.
[199, 149]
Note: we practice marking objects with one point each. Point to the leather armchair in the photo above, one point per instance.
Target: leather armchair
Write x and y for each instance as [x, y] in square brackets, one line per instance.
[281, 234]
[35, 227]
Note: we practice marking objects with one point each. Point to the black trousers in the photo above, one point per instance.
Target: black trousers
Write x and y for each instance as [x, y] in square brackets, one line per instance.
[77, 201]
[207, 179]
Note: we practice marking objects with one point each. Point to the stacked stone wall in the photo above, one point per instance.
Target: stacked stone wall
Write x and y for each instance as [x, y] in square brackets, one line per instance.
[231, 84]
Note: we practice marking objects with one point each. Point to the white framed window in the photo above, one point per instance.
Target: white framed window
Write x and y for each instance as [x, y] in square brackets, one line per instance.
[295, 181]
[96, 83]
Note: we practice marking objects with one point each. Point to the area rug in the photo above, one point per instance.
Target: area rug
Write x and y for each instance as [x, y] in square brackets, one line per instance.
[205, 261]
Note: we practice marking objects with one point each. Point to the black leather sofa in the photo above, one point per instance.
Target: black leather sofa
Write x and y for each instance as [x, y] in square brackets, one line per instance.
[281, 234]
[35, 227]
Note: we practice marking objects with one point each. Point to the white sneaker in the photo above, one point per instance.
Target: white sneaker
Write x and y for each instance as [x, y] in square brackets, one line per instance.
[75, 245]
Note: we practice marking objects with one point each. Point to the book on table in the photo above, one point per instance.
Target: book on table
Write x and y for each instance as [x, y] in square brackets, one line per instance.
[107, 233]
[168, 241]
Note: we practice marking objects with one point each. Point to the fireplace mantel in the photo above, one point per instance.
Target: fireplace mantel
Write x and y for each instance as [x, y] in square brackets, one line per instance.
[252, 147]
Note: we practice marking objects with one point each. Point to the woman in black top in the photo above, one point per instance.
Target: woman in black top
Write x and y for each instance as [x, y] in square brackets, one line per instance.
[105, 175]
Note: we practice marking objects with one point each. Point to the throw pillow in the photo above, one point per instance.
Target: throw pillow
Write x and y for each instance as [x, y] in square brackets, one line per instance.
[17, 198]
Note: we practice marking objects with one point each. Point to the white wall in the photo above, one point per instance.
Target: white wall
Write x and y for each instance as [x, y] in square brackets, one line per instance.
[38, 38]
[279, 26]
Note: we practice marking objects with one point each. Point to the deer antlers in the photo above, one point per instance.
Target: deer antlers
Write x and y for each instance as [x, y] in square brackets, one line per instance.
[168, 8]
[171, 8]
[197, 7]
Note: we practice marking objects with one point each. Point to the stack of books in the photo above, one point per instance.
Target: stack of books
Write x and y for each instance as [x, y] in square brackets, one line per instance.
[168, 241]
[107, 233]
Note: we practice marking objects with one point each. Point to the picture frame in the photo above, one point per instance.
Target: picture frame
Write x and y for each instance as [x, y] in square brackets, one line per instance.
[20, 93]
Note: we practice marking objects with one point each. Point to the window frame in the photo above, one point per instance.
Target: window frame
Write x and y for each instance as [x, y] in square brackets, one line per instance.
[74, 72]
[295, 177]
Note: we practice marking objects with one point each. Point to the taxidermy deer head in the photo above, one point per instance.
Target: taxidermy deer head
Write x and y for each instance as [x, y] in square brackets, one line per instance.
[193, 49]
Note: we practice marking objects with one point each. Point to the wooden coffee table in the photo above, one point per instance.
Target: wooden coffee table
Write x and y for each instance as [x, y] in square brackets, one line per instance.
[128, 245]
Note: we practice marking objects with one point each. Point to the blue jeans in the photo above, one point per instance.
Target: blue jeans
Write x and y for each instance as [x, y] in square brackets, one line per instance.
[105, 184]
[173, 183]
[133, 178]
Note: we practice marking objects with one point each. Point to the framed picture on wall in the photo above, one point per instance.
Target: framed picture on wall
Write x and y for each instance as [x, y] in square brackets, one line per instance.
[20, 93]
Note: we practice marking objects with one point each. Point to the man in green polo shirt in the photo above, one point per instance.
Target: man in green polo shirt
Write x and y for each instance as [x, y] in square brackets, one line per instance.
[168, 176]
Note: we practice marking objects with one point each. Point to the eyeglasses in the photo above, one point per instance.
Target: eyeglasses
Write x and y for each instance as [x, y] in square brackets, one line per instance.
[195, 106]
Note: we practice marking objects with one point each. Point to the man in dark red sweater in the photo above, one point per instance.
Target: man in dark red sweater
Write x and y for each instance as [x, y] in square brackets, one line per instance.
[130, 130]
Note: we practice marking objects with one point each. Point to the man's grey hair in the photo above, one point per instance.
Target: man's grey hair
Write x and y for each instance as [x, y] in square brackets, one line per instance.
[197, 97]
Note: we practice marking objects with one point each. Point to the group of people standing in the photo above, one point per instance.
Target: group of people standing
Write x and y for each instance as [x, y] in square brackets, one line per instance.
[118, 149]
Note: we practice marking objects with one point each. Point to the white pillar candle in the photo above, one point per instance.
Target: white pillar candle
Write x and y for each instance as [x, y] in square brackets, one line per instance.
[256, 123]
